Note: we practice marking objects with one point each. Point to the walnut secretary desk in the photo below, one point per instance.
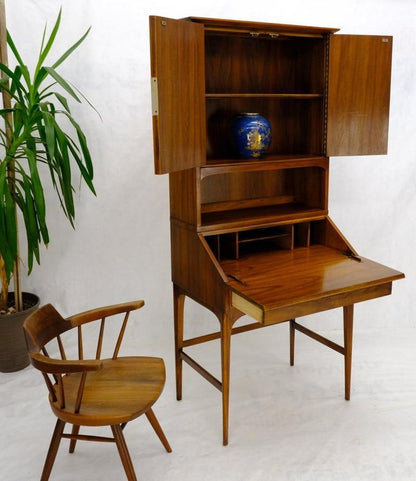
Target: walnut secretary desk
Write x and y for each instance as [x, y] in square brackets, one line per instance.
[253, 237]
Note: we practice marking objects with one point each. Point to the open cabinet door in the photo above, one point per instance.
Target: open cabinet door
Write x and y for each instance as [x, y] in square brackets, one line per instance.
[178, 94]
[358, 94]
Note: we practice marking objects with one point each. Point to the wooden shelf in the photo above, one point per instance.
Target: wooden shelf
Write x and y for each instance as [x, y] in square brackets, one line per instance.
[264, 238]
[256, 217]
[268, 162]
[246, 203]
[266, 234]
[299, 96]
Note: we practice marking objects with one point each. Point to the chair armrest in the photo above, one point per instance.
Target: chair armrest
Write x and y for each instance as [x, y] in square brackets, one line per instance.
[101, 312]
[58, 366]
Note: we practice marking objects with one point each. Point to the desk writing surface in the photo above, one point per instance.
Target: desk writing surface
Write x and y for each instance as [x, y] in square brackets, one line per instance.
[275, 279]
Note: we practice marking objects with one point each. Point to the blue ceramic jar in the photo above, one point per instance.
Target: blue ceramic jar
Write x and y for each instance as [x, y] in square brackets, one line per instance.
[252, 135]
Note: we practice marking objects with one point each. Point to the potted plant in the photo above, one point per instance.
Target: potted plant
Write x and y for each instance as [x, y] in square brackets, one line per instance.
[39, 139]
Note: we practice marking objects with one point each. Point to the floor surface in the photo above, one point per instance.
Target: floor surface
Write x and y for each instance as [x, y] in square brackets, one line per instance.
[286, 423]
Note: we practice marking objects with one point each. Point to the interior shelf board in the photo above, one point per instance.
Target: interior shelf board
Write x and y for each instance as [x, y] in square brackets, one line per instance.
[263, 238]
[246, 203]
[268, 162]
[264, 95]
[266, 216]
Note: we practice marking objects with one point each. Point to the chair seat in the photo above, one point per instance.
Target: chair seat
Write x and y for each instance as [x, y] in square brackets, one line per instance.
[121, 391]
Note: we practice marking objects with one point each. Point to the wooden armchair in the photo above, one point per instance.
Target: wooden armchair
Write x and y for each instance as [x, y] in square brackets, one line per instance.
[94, 392]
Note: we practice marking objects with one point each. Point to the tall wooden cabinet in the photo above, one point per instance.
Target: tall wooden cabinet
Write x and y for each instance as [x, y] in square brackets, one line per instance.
[253, 236]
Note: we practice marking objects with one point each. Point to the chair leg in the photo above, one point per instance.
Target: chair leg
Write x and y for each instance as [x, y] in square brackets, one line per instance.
[53, 449]
[158, 430]
[123, 452]
[72, 444]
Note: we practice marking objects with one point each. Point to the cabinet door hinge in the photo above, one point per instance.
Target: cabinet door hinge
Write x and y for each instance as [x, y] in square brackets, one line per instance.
[155, 99]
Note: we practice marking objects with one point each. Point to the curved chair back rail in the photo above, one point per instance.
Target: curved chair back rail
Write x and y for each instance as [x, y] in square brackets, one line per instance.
[94, 392]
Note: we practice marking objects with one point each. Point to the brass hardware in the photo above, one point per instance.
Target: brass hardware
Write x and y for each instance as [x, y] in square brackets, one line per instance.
[155, 99]
[236, 279]
[385, 40]
[164, 23]
[352, 256]
[270, 34]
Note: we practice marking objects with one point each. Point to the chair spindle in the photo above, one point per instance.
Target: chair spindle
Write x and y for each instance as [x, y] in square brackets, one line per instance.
[100, 339]
[80, 346]
[120, 336]
[61, 390]
[80, 392]
[49, 385]
[61, 348]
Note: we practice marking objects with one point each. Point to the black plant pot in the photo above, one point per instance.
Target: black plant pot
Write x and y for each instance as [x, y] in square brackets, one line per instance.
[13, 351]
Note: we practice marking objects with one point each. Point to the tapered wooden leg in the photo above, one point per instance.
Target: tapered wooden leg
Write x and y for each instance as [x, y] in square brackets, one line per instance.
[124, 452]
[158, 430]
[72, 444]
[53, 449]
[348, 330]
[225, 369]
[292, 341]
[178, 310]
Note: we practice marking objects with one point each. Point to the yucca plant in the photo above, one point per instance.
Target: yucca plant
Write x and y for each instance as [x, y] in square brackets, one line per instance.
[40, 139]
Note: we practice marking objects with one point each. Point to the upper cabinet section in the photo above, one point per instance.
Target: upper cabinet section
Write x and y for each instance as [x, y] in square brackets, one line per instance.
[323, 94]
[281, 77]
[359, 94]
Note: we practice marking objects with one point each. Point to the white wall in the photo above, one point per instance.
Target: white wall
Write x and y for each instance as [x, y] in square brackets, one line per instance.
[120, 249]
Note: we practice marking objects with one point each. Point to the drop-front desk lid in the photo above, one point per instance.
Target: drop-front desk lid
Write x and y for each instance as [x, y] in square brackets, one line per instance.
[275, 286]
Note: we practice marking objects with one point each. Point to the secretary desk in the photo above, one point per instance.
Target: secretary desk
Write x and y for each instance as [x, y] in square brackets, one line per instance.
[253, 237]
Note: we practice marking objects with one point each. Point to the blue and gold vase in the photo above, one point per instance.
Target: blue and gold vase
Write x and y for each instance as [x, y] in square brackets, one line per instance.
[252, 135]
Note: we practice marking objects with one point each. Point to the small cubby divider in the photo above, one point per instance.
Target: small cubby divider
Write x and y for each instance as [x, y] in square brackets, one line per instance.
[234, 245]
[302, 234]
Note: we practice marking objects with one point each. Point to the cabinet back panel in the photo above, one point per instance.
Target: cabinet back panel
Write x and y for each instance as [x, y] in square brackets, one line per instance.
[244, 64]
[243, 185]
[310, 186]
[294, 185]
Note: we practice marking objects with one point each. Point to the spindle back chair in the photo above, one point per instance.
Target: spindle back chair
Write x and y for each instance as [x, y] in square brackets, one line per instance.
[93, 392]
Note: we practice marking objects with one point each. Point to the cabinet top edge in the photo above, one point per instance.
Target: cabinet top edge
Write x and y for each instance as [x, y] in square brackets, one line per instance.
[242, 24]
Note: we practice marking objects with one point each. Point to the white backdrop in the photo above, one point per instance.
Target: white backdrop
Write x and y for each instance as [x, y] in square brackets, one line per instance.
[120, 249]
[286, 423]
